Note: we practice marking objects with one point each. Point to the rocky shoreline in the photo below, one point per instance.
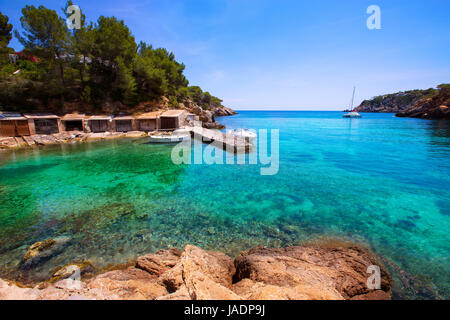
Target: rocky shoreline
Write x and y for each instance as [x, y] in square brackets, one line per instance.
[306, 272]
[206, 116]
[424, 104]
[63, 138]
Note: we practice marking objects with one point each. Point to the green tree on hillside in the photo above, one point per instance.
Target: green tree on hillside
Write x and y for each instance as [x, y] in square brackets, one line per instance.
[81, 47]
[5, 38]
[5, 31]
[45, 36]
[95, 64]
[113, 56]
[158, 73]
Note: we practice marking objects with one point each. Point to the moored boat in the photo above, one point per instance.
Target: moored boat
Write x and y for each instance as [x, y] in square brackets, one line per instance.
[244, 133]
[353, 113]
[169, 138]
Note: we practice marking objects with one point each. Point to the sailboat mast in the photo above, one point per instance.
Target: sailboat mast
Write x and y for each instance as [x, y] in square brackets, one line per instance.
[353, 97]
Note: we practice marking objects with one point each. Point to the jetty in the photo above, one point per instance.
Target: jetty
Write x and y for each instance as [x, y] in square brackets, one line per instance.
[226, 141]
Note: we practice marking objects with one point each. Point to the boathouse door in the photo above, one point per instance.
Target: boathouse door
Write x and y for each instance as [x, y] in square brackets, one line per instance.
[46, 126]
[74, 125]
[123, 125]
[14, 128]
[99, 125]
[7, 129]
[168, 123]
[147, 125]
[22, 128]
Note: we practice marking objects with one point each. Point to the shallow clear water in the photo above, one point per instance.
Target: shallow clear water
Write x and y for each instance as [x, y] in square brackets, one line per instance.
[379, 180]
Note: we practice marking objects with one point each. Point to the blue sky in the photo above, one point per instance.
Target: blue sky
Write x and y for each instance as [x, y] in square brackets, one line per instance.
[287, 55]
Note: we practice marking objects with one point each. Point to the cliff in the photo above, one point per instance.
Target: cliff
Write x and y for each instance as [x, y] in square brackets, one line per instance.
[434, 107]
[396, 102]
[307, 272]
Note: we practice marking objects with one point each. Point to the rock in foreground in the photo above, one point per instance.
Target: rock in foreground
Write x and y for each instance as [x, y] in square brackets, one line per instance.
[311, 272]
[308, 272]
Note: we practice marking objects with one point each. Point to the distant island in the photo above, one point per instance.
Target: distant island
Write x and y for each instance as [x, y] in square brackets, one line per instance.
[426, 104]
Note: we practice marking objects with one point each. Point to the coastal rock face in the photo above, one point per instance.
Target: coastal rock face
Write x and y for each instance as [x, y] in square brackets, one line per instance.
[223, 112]
[196, 273]
[207, 275]
[208, 116]
[129, 284]
[159, 262]
[426, 111]
[436, 107]
[339, 272]
[308, 272]
[213, 125]
[252, 290]
[395, 102]
[383, 104]
[425, 104]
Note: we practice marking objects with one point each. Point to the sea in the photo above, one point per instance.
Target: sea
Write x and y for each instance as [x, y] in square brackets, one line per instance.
[380, 181]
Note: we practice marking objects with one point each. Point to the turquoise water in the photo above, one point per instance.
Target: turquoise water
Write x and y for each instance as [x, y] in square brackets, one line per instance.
[380, 180]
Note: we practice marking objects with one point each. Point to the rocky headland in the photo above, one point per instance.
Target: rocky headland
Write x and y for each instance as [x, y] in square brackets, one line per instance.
[306, 272]
[425, 104]
[431, 107]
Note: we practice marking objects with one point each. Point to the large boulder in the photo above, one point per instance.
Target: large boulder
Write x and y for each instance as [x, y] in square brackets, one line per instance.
[159, 262]
[213, 125]
[215, 265]
[207, 117]
[224, 111]
[252, 290]
[334, 268]
[129, 284]
[207, 275]
[199, 275]
[181, 294]
[83, 267]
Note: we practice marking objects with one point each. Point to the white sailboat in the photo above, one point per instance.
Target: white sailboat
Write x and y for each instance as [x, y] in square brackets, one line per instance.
[353, 113]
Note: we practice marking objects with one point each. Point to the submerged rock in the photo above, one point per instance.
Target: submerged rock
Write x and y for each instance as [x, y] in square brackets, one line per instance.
[84, 267]
[43, 250]
[135, 134]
